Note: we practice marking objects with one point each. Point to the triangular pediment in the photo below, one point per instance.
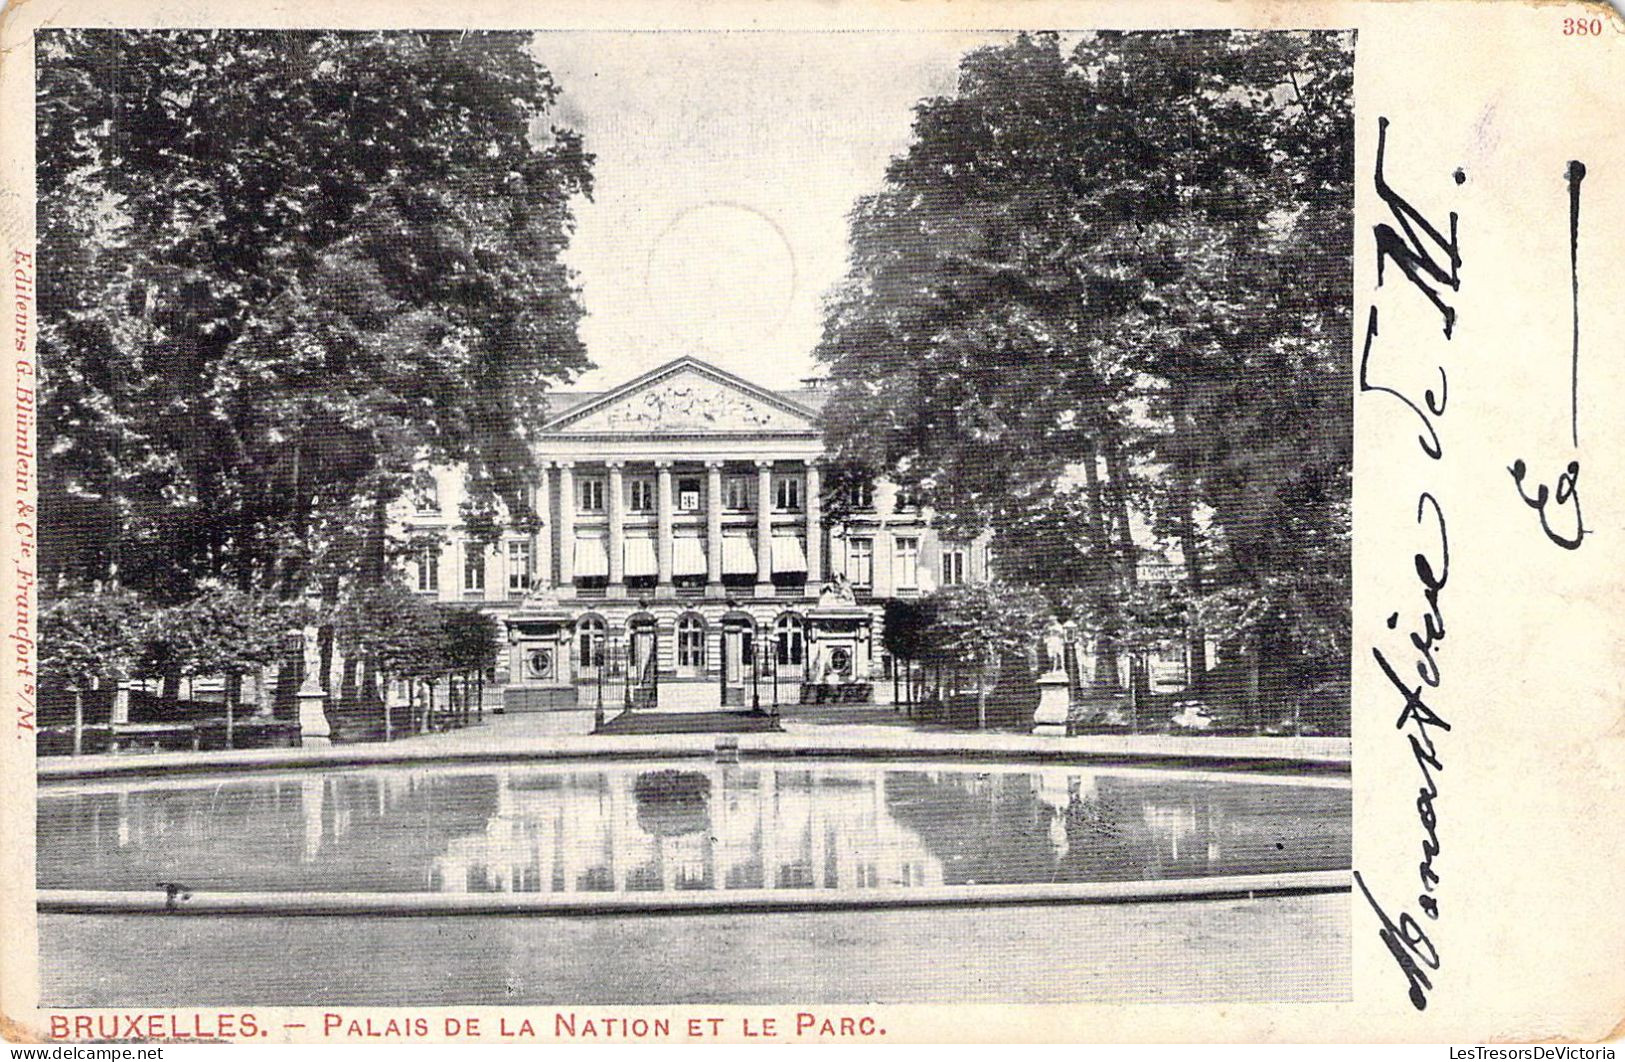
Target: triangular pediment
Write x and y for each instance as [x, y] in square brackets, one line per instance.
[684, 397]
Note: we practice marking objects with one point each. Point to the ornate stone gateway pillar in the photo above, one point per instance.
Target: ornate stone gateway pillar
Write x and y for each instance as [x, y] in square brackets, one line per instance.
[540, 638]
[839, 649]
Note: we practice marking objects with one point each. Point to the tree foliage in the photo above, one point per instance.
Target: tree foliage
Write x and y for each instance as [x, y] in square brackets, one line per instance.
[285, 267]
[977, 623]
[220, 631]
[89, 637]
[1100, 303]
[401, 633]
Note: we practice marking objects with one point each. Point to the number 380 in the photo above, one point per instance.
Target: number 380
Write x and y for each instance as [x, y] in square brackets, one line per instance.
[1582, 27]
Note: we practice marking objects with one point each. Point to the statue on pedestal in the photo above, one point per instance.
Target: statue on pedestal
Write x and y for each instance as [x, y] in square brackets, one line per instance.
[1054, 688]
[1055, 649]
[313, 726]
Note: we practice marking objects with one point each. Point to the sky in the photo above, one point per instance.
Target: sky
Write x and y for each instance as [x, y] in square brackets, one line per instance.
[725, 167]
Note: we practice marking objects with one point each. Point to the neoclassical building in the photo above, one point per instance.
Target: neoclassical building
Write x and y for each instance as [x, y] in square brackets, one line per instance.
[682, 529]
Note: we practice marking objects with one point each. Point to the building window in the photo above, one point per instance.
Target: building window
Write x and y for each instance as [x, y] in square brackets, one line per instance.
[473, 568]
[590, 494]
[426, 497]
[906, 562]
[590, 642]
[862, 495]
[428, 565]
[860, 561]
[640, 494]
[738, 493]
[519, 566]
[905, 499]
[688, 494]
[787, 494]
[954, 565]
[690, 641]
[790, 640]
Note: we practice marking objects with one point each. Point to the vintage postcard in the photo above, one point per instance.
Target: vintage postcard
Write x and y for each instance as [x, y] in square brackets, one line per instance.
[799, 522]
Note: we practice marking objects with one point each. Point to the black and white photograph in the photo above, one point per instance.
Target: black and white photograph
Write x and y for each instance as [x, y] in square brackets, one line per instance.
[658, 518]
[570, 518]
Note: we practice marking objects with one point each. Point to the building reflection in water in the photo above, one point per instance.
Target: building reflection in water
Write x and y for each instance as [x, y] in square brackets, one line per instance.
[689, 827]
[672, 830]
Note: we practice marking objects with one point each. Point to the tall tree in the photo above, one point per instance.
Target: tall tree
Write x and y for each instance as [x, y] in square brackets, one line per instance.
[285, 268]
[1107, 282]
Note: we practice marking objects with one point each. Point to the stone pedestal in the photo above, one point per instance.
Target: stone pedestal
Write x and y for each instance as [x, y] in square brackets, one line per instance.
[1054, 704]
[313, 725]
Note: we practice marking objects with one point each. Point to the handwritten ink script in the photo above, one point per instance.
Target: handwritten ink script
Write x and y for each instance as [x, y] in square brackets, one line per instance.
[1567, 492]
[1431, 261]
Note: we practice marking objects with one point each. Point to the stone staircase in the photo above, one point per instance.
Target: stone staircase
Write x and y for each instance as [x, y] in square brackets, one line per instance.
[678, 695]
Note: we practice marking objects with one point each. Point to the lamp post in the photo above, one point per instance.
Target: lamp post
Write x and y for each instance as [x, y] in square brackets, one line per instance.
[595, 653]
[770, 647]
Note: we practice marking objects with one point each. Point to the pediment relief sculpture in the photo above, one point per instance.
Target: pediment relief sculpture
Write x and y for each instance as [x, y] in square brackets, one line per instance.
[688, 403]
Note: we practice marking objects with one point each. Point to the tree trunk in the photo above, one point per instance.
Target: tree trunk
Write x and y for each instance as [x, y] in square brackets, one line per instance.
[1117, 482]
[234, 684]
[1106, 660]
[262, 691]
[1252, 687]
[334, 675]
[383, 690]
[1133, 702]
[1190, 545]
[981, 692]
[78, 721]
[374, 561]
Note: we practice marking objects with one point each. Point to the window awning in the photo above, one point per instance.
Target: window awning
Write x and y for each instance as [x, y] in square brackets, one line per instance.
[738, 558]
[688, 557]
[592, 559]
[639, 554]
[788, 554]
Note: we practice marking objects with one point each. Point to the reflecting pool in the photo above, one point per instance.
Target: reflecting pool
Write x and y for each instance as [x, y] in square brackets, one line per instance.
[683, 826]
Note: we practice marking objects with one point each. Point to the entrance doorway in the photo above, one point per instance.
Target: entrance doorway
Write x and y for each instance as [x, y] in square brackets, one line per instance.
[642, 663]
[738, 660]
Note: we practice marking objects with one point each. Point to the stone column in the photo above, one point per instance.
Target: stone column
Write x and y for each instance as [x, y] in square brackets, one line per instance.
[617, 534]
[815, 526]
[567, 525]
[541, 545]
[713, 529]
[764, 528]
[663, 547]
